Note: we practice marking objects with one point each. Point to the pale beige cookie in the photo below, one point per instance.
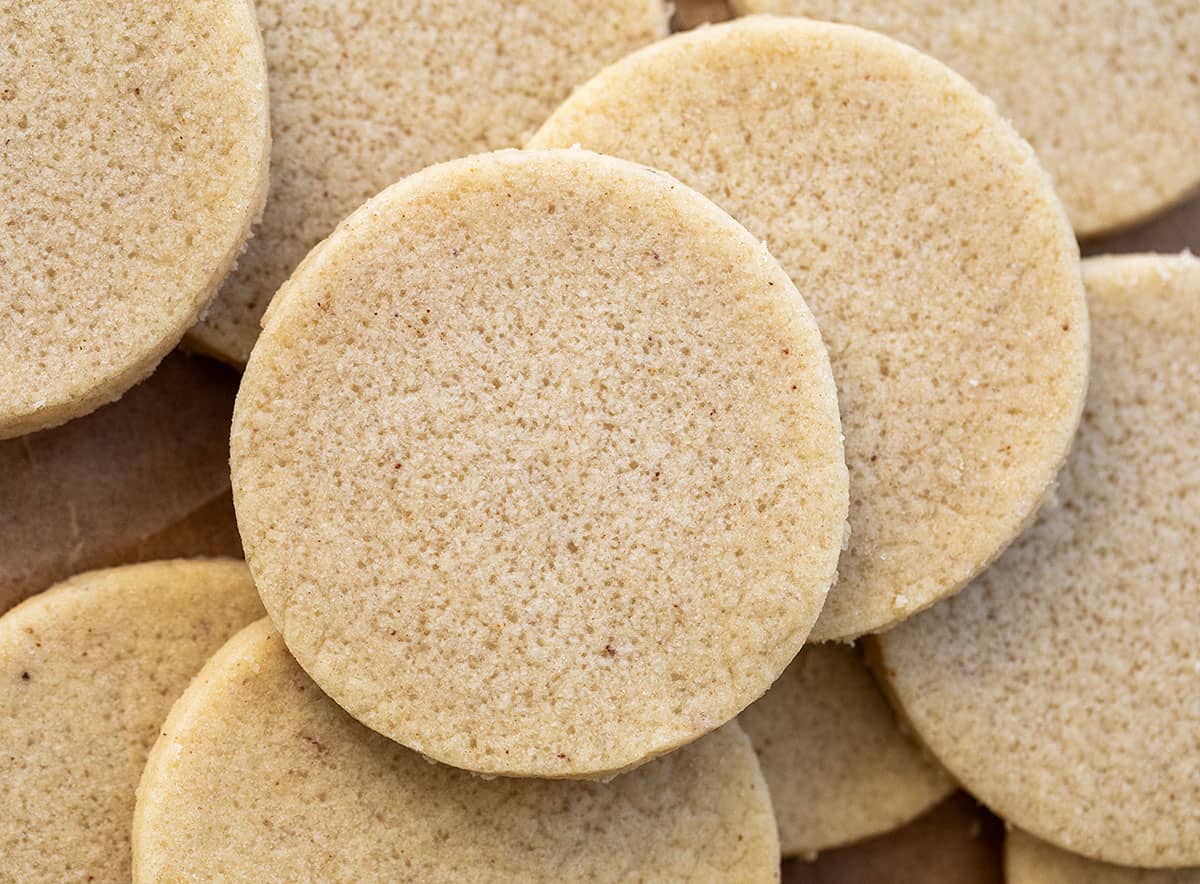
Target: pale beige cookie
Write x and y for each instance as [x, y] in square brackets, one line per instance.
[135, 142]
[1106, 91]
[958, 842]
[1030, 861]
[927, 241]
[838, 765]
[552, 482]
[1061, 688]
[1175, 230]
[364, 93]
[130, 482]
[88, 672]
[259, 776]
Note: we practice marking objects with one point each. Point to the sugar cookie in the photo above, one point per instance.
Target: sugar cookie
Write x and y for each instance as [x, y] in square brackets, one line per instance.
[88, 672]
[929, 245]
[838, 766]
[261, 777]
[135, 159]
[549, 484]
[1030, 861]
[1061, 688]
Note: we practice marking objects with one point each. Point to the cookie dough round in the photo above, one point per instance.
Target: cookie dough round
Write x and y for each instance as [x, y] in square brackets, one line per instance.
[364, 93]
[1030, 861]
[135, 159]
[551, 483]
[88, 672]
[260, 776]
[1061, 688]
[838, 765]
[926, 239]
[1106, 91]
[132, 481]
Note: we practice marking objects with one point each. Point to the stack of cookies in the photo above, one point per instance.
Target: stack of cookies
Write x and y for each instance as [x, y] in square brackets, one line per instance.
[652, 456]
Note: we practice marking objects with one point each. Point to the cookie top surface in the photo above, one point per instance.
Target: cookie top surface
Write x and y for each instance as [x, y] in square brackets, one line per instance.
[538, 464]
[88, 672]
[114, 486]
[1030, 861]
[1037, 686]
[926, 240]
[135, 157]
[254, 753]
[1106, 91]
[364, 93]
[838, 766]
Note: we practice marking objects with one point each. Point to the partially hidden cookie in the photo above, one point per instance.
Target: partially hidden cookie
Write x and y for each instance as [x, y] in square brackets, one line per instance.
[958, 842]
[1030, 861]
[88, 672]
[1175, 230]
[538, 465]
[838, 765]
[364, 93]
[135, 160]
[1061, 688]
[138, 479]
[1106, 91]
[259, 776]
[927, 241]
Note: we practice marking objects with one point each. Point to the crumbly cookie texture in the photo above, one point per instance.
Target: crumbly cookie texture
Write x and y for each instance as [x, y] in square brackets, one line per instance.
[538, 465]
[1061, 687]
[1106, 91]
[135, 160]
[260, 776]
[838, 765]
[1028, 860]
[88, 672]
[364, 93]
[927, 241]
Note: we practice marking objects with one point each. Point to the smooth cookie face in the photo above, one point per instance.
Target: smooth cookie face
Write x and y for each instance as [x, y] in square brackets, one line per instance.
[927, 241]
[1106, 91]
[538, 465]
[135, 159]
[837, 763]
[1030, 861]
[364, 93]
[254, 754]
[143, 478]
[1040, 686]
[88, 672]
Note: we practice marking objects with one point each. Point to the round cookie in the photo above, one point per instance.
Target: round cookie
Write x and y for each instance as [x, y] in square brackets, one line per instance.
[838, 766]
[135, 159]
[364, 93]
[259, 776]
[88, 672]
[925, 238]
[1106, 91]
[132, 481]
[1030, 861]
[550, 484]
[1038, 686]
[958, 842]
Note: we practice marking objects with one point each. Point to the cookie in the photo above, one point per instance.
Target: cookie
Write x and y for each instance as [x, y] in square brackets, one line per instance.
[88, 672]
[259, 776]
[1030, 861]
[550, 484]
[135, 159]
[929, 245]
[957, 842]
[1106, 91]
[364, 93]
[122, 484]
[1173, 231]
[1038, 686]
[838, 765]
